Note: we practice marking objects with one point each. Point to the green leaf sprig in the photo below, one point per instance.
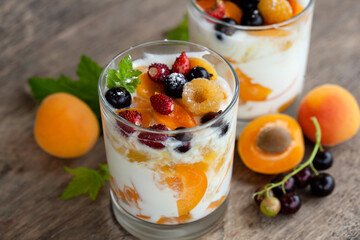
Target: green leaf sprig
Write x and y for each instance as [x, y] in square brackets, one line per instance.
[180, 32]
[86, 181]
[309, 162]
[85, 88]
[125, 76]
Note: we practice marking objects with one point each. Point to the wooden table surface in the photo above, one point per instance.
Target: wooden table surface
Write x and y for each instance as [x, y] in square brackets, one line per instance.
[47, 38]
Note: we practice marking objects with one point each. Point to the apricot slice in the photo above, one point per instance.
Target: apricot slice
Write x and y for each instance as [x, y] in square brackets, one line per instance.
[336, 110]
[205, 4]
[281, 160]
[233, 11]
[251, 91]
[65, 126]
[192, 183]
[147, 87]
[180, 117]
[296, 7]
[198, 62]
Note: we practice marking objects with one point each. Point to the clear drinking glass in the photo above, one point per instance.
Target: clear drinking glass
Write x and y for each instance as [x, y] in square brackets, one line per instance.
[269, 60]
[161, 193]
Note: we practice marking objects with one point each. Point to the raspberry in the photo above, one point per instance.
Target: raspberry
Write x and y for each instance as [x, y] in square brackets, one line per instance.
[162, 104]
[217, 11]
[181, 64]
[154, 140]
[201, 96]
[131, 116]
[158, 72]
[174, 84]
[275, 11]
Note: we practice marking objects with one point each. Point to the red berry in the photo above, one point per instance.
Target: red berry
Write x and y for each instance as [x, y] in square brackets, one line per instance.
[181, 64]
[162, 104]
[131, 116]
[217, 11]
[154, 140]
[158, 72]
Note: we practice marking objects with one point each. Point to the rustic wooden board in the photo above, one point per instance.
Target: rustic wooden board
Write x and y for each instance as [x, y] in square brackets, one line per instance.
[46, 38]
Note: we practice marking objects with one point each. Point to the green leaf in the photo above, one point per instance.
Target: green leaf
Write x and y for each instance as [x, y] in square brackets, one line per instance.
[86, 181]
[85, 88]
[180, 32]
[125, 76]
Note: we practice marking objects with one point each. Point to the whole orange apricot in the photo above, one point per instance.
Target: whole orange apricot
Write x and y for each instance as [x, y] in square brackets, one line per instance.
[336, 110]
[65, 126]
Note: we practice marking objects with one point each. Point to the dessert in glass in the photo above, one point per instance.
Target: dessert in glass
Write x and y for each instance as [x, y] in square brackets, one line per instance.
[170, 139]
[267, 43]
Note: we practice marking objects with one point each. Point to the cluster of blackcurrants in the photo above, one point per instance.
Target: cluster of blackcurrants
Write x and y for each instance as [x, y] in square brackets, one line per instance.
[251, 17]
[321, 185]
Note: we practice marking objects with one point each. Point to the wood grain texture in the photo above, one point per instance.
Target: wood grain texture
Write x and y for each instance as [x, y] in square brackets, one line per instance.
[47, 38]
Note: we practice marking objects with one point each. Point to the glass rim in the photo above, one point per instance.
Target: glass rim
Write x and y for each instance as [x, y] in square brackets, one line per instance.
[253, 28]
[169, 132]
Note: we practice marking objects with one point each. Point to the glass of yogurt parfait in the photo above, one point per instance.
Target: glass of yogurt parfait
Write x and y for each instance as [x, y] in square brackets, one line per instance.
[267, 43]
[170, 139]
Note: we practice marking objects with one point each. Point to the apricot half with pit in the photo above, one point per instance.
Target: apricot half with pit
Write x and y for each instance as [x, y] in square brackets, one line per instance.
[271, 144]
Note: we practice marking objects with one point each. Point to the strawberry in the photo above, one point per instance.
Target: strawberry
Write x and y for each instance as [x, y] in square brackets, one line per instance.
[181, 64]
[154, 140]
[217, 11]
[162, 104]
[158, 72]
[131, 116]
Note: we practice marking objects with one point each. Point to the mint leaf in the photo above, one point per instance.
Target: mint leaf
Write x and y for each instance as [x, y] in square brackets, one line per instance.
[125, 76]
[180, 32]
[85, 181]
[85, 88]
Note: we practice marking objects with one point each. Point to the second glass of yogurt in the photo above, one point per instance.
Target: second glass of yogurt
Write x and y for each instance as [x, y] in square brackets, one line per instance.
[170, 182]
[270, 60]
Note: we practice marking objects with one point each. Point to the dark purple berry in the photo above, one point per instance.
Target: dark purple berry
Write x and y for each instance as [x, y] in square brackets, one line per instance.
[183, 148]
[224, 29]
[184, 137]
[118, 97]
[290, 203]
[258, 199]
[210, 116]
[322, 184]
[247, 4]
[252, 17]
[174, 84]
[302, 178]
[197, 72]
[323, 160]
[289, 185]
[224, 129]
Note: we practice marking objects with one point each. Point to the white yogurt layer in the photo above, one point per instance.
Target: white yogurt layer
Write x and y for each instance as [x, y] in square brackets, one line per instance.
[276, 62]
[138, 167]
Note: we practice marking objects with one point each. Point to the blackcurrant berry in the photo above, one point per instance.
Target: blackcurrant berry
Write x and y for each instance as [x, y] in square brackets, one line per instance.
[184, 137]
[197, 72]
[259, 198]
[289, 185]
[270, 206]
[183, 148]
[322, 184]
[248, 4]
[224, 29]
[323, 160]
[290, 203]
[252, 17]
[302, 178]
[118, 97]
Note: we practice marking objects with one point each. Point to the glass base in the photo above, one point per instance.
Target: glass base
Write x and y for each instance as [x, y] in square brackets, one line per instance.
[291, 111]
[146, 230]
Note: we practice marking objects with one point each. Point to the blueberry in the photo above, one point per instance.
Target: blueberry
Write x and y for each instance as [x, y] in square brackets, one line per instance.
[184, 137]
[323, 160]
[118, 97]
[198, 72]
[183, 148]
[252, 17]
[174, 84]
[223, 29]
[247, 4]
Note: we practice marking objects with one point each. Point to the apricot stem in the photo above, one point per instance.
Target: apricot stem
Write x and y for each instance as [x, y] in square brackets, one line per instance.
[299, 168]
